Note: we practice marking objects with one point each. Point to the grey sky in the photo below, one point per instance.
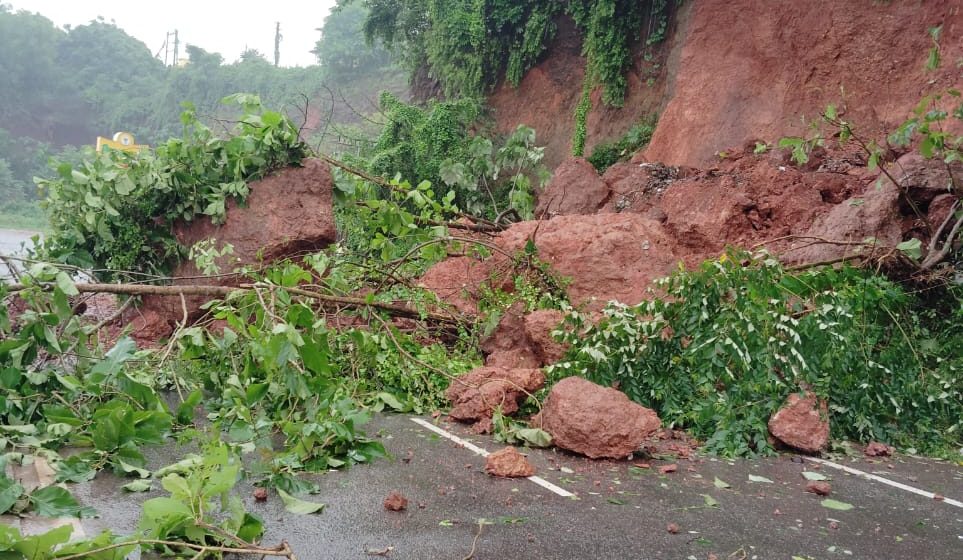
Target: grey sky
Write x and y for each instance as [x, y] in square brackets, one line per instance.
[223, 26]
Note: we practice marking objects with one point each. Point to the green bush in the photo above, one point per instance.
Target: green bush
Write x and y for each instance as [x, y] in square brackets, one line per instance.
[730, 341]
[607, 154]
[442, 144]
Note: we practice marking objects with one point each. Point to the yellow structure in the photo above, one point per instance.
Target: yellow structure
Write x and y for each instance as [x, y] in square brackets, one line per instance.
[122, 141]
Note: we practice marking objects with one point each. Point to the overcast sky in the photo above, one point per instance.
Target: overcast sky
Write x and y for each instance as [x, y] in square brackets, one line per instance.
[223, 26]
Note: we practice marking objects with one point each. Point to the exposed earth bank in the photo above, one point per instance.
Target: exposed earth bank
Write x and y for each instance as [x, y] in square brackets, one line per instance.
[712, 92]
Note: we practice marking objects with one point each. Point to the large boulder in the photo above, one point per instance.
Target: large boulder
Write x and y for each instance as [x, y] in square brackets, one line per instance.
[802, 423]
[539, 325]
[476, 395]
[287, 213]
[575, 188]
[745, 200]
[874, 214]
[523, 340]
[595, 421]
[606, 256]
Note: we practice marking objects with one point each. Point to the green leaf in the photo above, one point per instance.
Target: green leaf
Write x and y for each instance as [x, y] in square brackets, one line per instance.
[534, 437]
[252, 527]
[912, 248]
[835, 504]
[10, 492]
[299, 506]
[710, 501]
[66, 285]
[392, 401]
[137, 486]
[754, 478]
[809, 475]
[185, 410]
[54, 501]
[721, 484]
[255, 392]
[41, 546]
[122, 351]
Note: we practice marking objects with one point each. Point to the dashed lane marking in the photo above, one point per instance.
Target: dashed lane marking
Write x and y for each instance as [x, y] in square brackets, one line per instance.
[886, 481]
[478, 450]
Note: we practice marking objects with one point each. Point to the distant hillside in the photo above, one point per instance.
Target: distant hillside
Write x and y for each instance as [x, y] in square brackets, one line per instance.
[64, 87]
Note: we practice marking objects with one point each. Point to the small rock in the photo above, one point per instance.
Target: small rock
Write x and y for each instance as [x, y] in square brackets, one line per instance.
[396, 501]
[666, 469]
[260, 494]
[508, 463]
[802, 423]
[819, 488]
[672, 528]
[877, 449]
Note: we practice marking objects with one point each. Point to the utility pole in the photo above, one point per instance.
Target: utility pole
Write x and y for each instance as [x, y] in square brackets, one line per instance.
[177, 45]
[277, 43]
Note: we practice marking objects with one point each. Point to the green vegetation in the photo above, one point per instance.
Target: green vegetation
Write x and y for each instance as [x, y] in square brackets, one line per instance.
[607, 154]
[581, 119]
[442, 144]
[98, 208]
[734, 338]
[472, 45]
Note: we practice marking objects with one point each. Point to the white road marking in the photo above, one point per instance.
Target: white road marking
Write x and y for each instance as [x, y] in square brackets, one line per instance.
[478, 450]
[886, 481]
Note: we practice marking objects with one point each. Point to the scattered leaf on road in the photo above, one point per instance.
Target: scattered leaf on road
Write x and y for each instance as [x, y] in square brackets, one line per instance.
[836, 504]
[137, 486]
[754, 478]
[297, 505]
[815, 476]
[721, 483]
[710, 501]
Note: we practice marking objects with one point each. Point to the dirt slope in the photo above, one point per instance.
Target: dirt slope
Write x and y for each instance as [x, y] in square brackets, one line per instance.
[732, 71]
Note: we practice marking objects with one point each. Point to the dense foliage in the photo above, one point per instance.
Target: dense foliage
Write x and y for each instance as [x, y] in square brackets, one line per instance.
[441, 144]
[734, 338]
[471, 45]
[114, 211]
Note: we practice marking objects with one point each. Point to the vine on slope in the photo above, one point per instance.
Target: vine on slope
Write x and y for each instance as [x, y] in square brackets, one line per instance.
[470, 45]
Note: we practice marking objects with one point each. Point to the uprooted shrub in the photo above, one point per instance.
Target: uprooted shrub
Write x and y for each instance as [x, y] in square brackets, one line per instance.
[727, 343]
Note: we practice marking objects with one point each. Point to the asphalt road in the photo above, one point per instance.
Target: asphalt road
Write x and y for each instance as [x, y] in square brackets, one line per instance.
[618, 511]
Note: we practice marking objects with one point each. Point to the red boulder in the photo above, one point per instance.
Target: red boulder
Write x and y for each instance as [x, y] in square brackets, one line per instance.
[595, 421]
[477, 394]
[802, 423]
